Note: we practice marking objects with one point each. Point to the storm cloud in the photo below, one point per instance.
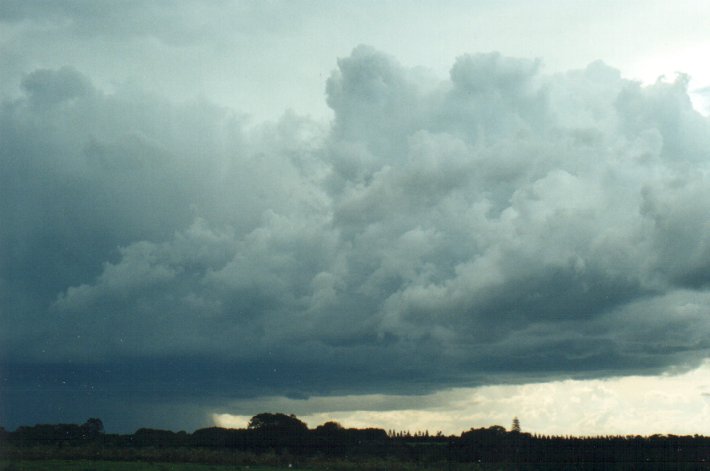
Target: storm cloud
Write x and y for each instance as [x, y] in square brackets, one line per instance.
[499, 225]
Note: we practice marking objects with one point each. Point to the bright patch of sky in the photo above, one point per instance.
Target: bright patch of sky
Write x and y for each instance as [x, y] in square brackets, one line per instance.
[669, 403]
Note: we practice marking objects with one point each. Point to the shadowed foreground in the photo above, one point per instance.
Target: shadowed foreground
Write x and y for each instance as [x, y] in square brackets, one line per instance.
[279, 441]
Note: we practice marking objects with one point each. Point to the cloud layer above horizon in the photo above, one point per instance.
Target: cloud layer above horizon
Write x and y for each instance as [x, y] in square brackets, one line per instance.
[499, 225]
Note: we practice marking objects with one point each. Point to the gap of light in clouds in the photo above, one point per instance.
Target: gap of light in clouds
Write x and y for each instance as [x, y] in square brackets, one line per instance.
[670, 404]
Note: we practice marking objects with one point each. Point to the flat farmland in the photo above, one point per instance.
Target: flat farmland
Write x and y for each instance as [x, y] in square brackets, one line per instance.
[88, 465]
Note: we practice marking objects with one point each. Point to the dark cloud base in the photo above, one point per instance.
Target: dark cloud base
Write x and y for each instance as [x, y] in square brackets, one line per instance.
[498, 226]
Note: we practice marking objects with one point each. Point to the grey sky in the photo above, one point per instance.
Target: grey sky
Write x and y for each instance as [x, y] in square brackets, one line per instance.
[264, 57]
[429, 214]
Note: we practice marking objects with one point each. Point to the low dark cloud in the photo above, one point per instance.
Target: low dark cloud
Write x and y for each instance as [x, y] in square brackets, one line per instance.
[499, 226]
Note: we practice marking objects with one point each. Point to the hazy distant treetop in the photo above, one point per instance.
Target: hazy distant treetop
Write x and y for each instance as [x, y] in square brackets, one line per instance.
[516, 425]
[94, 426]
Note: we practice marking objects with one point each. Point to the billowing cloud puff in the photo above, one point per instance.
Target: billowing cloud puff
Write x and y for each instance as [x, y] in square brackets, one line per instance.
[497, 226]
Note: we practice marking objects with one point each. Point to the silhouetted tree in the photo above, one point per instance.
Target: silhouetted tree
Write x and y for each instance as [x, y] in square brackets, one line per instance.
[277, 422]
[331, 438]
[329, 427]
[273, 431]
[516, 426]
[93, 427]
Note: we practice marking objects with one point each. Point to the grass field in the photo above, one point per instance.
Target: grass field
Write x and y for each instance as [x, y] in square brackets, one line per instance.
[89, 465]
[98, 465]
[86, 465]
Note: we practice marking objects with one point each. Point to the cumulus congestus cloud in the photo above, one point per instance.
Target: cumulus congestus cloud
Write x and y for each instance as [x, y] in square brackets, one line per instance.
[499, 225]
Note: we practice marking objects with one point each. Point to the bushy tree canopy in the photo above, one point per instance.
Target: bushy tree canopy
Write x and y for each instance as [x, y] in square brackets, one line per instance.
[277, 422]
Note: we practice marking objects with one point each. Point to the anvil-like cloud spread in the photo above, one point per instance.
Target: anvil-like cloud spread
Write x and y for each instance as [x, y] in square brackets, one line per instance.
[499, 225]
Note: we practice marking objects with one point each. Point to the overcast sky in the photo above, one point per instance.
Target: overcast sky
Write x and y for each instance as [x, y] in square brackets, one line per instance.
[423, 215]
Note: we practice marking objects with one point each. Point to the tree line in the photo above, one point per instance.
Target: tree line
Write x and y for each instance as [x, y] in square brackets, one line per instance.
[278, 433]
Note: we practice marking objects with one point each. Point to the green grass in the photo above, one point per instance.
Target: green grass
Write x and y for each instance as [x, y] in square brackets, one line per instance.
[98, 465]
[87, 465]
